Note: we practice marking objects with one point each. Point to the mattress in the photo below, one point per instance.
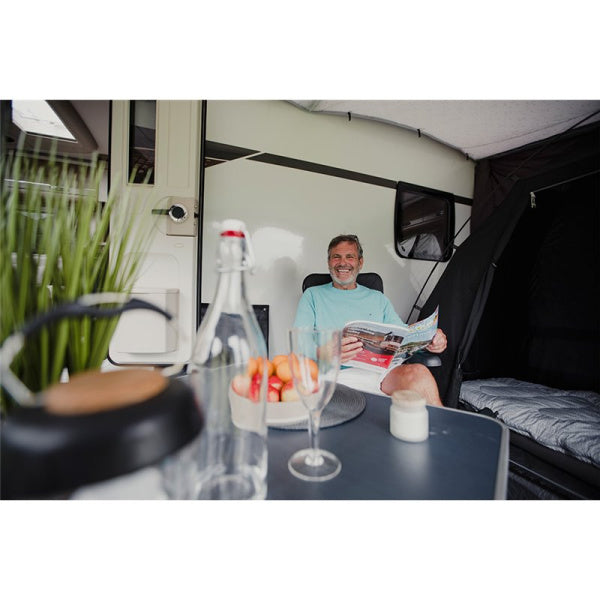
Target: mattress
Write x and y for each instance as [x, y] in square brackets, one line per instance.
[563, 420]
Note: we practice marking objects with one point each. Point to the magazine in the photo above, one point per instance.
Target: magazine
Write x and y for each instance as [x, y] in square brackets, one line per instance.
[386, 346]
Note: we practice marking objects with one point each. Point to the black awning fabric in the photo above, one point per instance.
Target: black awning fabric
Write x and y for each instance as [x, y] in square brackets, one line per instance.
[463, 289]
[495, 176]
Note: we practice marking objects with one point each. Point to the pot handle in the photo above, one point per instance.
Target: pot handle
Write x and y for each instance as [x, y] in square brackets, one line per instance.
[84, 306]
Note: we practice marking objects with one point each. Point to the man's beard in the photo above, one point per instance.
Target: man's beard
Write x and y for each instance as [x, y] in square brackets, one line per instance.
[343, 282]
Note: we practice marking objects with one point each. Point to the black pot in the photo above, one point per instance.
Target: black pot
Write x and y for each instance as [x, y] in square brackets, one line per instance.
[46, 455]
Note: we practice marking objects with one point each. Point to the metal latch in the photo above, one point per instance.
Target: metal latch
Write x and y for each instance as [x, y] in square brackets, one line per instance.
[179, 213]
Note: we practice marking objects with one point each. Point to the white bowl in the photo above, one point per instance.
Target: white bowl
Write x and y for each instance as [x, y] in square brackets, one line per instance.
[286, 413]
[278, 413]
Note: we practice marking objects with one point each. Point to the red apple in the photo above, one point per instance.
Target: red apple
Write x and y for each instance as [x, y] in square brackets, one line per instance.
[241, 385]
[272, 394]
[289, 393]
[275, 382]
[254, 391]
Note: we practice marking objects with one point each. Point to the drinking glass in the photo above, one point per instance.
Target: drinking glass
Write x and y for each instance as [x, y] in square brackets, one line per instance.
[315, 362]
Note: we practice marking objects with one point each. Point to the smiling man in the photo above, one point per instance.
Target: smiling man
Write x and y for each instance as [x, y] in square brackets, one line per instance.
[333, 304]
[345, 261]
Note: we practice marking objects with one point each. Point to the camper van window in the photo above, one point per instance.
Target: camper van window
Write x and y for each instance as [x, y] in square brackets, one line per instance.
[142, 140]
[423, 223]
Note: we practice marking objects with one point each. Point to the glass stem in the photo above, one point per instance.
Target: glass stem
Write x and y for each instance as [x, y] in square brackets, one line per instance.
[314, 422]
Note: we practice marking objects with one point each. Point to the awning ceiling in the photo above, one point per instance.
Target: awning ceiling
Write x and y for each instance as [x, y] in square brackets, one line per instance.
[477, 128]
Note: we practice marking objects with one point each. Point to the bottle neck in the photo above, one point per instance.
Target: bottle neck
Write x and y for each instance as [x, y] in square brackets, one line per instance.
[231, 265]
[233, 254]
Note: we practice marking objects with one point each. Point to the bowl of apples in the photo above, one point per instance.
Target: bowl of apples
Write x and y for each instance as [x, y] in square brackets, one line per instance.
[284, 406]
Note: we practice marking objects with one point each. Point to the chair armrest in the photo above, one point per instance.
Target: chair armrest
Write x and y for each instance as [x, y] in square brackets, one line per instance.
[429, 359]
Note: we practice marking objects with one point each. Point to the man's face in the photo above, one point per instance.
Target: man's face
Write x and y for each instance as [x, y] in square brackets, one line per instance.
[344, 265]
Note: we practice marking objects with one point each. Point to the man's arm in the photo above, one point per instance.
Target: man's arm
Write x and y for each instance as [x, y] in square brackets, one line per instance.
[389, 313]
[305, 313]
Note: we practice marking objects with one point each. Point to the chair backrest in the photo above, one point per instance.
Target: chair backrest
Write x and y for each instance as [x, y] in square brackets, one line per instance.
[370, 280]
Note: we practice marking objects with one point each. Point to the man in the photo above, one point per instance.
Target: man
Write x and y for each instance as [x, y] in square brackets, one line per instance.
[334, 304]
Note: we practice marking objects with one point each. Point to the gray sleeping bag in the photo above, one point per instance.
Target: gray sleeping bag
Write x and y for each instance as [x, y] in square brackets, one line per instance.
[566, 421]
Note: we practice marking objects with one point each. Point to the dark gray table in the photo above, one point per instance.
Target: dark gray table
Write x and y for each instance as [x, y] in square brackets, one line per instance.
[465, 458]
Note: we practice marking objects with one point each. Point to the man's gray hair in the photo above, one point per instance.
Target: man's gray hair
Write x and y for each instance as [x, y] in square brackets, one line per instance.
[351, 238]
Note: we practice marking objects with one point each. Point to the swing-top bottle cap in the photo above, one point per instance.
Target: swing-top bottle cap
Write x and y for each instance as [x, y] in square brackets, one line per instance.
[233, 227]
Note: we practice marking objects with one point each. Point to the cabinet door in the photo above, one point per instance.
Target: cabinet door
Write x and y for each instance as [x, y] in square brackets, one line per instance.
[164, 139]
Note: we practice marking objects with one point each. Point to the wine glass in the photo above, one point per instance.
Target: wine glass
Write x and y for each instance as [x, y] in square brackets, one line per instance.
[315, 362]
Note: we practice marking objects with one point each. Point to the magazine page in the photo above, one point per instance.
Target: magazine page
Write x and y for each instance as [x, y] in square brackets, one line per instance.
[386, 345]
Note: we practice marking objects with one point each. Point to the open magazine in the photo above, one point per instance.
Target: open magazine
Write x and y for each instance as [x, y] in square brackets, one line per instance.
[386, 346]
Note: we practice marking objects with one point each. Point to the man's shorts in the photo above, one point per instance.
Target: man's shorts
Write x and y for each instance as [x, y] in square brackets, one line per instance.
[362, 380]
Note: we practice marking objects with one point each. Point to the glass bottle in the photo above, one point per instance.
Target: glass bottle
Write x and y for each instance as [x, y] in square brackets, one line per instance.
[231, 453]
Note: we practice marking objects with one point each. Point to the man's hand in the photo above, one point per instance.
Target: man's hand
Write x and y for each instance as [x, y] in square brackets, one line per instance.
[351, 346]
[438, 343]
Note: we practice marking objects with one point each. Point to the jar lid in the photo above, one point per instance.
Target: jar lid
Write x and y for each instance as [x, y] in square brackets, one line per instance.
[408, 400]
[48, 453]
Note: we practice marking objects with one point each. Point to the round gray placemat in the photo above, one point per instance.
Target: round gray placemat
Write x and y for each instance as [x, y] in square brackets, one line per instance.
[345, 404]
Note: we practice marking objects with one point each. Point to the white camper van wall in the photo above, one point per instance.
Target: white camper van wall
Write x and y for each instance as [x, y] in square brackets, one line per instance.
[298, 178]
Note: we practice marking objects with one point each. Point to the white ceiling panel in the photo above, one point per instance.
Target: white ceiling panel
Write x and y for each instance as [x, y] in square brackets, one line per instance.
[478, 128]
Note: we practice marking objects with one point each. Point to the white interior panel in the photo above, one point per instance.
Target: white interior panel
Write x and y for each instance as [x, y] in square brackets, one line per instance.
[171, 260]
[146, 331]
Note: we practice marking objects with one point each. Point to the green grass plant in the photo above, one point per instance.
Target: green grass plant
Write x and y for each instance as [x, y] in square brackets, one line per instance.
[58, 241]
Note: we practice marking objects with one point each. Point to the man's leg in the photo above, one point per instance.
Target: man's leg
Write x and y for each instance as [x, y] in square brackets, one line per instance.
[414, 376]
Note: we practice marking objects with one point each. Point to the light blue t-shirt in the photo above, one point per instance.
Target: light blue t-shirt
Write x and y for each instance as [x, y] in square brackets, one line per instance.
[326, 307]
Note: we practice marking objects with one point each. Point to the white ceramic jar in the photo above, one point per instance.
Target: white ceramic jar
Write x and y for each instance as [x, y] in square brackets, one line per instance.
[409, 419]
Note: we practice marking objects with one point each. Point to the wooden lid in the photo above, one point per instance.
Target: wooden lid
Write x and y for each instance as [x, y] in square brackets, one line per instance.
[93, 391]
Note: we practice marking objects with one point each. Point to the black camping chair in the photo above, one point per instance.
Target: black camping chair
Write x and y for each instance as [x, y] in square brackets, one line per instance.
[374, 281]
[370, 280]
